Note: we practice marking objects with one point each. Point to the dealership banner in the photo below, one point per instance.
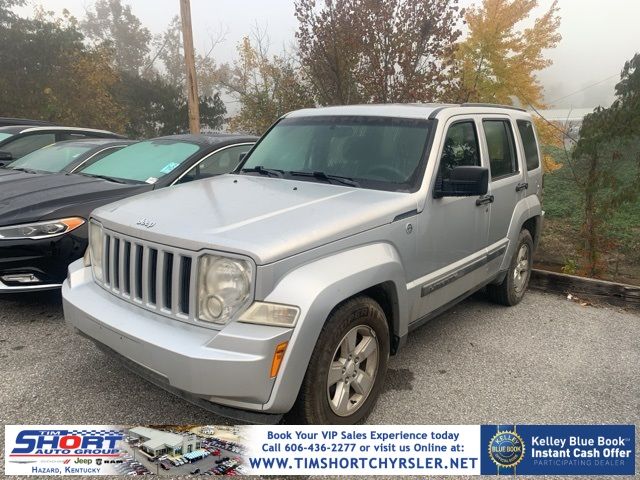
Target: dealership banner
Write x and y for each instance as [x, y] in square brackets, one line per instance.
[320, 450]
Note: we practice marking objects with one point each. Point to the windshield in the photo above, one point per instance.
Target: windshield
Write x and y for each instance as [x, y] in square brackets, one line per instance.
[143, 162]
[4, 136]
[53, 158]
[375, 152]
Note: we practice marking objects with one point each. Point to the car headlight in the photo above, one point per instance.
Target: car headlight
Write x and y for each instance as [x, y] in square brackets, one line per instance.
[95, 249]
[224, 285]
[275, 314]
[38, 230]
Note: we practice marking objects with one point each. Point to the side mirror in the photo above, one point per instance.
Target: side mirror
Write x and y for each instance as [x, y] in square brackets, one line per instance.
[463, 182]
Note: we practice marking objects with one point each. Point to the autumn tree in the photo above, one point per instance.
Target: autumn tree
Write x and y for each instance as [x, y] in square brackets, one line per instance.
[111, 24]
[266, 86]
[374, 51]
[498, 60]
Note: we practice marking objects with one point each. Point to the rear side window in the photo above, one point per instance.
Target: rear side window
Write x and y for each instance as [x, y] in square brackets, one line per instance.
[501, 146]
[529, 143]
[460, 148]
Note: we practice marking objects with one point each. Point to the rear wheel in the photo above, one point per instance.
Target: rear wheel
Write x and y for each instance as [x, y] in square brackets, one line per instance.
[348, 365]
[512, 289]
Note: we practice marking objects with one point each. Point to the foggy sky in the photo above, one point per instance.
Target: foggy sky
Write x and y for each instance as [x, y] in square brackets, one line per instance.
[598, 37]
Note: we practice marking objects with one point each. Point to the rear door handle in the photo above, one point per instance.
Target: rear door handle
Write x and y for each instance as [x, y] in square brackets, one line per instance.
[484, 200]
[522, 186]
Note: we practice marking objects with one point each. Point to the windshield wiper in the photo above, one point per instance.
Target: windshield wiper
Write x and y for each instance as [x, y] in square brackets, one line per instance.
[272, 172]
[26, 170]
[326, 177]
[103, 177]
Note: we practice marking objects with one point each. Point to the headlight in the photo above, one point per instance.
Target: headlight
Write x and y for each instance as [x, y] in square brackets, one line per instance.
[36, 231]
[224, 285]
[95, 249]
[273, 314]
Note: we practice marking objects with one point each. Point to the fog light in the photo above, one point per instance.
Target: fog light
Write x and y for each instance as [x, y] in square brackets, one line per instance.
[21, 278]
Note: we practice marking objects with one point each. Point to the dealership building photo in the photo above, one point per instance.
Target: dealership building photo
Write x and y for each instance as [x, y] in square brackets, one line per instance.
[158, 442]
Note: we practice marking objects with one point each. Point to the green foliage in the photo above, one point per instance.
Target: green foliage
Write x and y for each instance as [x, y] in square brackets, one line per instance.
[607, 164]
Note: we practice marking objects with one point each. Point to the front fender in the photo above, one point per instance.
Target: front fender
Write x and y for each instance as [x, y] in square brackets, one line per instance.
[317, 288]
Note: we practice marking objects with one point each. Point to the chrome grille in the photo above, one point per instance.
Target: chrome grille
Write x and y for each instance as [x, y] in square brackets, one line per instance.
[153, 276]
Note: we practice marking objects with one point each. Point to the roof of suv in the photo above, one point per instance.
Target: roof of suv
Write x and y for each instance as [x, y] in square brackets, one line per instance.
[405, 110]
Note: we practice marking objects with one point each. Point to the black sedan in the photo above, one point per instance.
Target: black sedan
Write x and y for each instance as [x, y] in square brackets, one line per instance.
[66, 157]
[43, 218]
[17, 141]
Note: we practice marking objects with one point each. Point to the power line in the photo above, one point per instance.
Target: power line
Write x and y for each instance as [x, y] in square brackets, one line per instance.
[583, 89]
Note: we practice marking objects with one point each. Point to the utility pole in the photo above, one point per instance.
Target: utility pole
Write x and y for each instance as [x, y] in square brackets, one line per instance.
[190, 64]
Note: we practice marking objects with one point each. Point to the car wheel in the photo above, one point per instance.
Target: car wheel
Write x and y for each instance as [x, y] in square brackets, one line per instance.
[514, 285]
[347, 367]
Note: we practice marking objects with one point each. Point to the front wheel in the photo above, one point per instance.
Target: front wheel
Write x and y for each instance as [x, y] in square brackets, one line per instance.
[348, 365]
[515, 283]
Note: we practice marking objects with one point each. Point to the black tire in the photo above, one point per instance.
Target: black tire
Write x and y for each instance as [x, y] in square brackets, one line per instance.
[508, 292]
[312, 405]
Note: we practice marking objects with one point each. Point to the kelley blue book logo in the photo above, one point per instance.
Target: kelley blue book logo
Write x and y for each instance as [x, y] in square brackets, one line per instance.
[558, 449]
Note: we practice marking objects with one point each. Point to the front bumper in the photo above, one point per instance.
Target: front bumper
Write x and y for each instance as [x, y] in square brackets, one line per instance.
[46, 259]
[229, 367]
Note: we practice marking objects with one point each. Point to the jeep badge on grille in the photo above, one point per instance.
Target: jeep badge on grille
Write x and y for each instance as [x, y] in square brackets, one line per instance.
[145, 223]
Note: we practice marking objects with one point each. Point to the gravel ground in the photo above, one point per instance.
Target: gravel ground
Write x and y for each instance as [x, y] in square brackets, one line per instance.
[548, 360]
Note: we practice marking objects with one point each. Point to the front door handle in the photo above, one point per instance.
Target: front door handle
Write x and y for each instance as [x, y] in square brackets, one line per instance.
[522, 186]
[484, 200]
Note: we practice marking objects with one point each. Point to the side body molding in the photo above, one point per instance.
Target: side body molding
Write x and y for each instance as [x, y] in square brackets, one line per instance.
[317, 288]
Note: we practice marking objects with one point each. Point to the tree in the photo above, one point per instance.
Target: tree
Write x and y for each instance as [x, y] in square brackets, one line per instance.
[498, 60]
[374, 51]
[49, 74]
[606, 163]
[171, 55]
[267, 87]
[114, 25]
[155, 107]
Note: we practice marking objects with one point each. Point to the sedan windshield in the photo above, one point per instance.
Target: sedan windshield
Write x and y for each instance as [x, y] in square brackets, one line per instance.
[372, 152]
[50, 159]
[144, 162]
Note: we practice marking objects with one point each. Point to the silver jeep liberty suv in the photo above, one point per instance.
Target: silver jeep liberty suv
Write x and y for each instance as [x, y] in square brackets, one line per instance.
[286, 285]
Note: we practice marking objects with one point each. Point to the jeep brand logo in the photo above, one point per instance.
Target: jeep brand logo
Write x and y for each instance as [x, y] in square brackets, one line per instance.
[145, 223]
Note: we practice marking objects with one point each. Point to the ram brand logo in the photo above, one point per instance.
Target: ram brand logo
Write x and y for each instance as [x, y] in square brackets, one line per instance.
[145, 223]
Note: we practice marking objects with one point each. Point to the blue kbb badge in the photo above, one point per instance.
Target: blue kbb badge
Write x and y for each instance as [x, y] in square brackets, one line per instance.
[506, 449]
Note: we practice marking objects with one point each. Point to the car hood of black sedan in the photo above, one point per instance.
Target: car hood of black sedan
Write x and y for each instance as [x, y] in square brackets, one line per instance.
[29, 197]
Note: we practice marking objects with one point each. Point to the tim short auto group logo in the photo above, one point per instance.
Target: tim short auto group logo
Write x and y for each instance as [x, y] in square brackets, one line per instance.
[44, 446]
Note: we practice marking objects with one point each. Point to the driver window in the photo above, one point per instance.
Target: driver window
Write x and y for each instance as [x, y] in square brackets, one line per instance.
[460, 148]
[219, 163]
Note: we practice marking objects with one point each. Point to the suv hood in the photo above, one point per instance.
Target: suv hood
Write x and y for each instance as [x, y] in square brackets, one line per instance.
[266, 218]
[27, 197]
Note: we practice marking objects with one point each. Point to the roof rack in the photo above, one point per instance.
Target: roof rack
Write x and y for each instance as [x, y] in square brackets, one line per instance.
[492, 105]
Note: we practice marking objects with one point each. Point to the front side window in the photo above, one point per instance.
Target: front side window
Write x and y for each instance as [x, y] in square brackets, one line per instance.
[143, 162]
[501, 146]
[374, 152]
[460, 148]
[4, 136]
[53, 158]
[529, 143]
[24, 145]
[219, 163]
